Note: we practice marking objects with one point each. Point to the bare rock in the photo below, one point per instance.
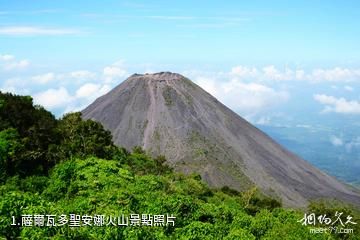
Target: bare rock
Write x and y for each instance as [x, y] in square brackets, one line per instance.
[167, 114]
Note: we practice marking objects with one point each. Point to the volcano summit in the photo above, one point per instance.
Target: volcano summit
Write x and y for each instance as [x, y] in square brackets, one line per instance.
[167, 114]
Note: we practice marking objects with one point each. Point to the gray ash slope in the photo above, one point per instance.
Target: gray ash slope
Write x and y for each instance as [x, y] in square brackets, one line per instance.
[169, 115]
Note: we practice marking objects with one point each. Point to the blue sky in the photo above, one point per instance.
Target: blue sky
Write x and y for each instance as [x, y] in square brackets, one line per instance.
[183, 32]
[276, 63]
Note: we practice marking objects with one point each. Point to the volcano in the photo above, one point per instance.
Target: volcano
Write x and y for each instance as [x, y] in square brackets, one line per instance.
[167, 114]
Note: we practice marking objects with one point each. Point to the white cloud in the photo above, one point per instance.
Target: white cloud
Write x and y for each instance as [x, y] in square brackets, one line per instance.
[348, 88]
[6, 57]
[251, 97]
[15, 85]
[348, 145]
[8, 62]
[247, 98]
[35, 31]
[71, 78]
[114, 72]
[336, 141]
[54, 98]
[82, 74]
[338, 105]
[265, 120]
[208, 85]
[275, 119]
[69, 91]
[92, 91]
[104, 89]
[16, 65]
[270, 72]
[335, 74]
[299, 74]
[61, 99]
[44, 78]
[266, 73]
[75, 108]
[87, 90]
[245, 72]
[354, 143]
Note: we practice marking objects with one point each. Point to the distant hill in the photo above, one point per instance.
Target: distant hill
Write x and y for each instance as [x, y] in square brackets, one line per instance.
[167, 114]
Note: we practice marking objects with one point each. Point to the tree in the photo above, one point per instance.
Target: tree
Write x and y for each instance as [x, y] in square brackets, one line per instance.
[17, 112]
[35, 127]
[9, 146]
[82, 138]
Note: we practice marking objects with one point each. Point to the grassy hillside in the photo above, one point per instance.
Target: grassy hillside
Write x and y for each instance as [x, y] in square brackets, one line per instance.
[70, 168]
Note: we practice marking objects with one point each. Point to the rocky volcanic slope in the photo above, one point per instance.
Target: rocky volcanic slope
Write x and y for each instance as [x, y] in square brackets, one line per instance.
[167, 114]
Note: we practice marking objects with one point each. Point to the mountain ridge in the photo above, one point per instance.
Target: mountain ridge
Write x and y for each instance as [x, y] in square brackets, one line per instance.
[167, 114]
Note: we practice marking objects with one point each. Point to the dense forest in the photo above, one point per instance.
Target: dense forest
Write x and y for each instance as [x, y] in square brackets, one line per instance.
[65, 179]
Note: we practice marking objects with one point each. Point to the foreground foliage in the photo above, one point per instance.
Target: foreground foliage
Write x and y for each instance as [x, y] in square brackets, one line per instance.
[70, 166]
[94, 186]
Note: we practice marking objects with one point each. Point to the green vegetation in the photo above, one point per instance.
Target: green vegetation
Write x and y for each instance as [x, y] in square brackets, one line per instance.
[70, 166]
[167, 95]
